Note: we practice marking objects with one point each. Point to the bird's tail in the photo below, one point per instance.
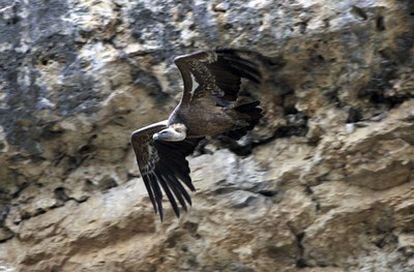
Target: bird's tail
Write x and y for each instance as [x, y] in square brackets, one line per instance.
[249, 113]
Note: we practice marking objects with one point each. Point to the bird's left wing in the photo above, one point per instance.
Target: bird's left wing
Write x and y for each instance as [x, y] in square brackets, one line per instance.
[163, 165]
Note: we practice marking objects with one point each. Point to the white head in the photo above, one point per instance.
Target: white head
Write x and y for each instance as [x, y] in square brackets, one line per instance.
[174, 133]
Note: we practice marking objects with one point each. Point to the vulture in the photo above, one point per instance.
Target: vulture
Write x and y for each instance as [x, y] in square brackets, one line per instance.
[211, 105]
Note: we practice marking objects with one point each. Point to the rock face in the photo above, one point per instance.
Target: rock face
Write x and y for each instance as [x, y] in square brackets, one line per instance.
[324, 183]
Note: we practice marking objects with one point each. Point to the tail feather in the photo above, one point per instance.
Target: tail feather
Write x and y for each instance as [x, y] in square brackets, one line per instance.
[250, 112]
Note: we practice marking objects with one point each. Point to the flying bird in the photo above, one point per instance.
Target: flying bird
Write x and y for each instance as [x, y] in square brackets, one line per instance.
[211, 104]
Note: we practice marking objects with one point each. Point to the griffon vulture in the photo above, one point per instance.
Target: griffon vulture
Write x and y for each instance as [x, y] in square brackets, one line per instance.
[210, 105]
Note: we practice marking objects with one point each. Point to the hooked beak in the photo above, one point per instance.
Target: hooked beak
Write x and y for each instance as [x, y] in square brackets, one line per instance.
[155, 137]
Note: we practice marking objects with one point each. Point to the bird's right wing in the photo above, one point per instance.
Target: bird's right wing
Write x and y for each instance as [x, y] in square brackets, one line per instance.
[216, 73]
[163, 165]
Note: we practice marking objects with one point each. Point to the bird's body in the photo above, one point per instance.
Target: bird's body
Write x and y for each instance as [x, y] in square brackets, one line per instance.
[210, 105]
[218, 120]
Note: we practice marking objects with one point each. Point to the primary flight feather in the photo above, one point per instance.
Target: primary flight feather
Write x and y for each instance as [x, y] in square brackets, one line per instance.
[210, 105]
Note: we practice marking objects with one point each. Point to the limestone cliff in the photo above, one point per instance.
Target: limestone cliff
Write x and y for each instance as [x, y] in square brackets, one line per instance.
[324, 183]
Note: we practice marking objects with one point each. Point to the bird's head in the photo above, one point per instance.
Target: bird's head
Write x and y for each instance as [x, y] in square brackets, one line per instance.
[174, 133]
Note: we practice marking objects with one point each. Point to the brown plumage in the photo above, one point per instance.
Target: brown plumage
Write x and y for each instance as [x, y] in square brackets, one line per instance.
[210, 105]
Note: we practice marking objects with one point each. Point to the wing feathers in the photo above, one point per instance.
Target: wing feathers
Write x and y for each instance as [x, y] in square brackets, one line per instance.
[220, 69]
[171, 198]
[163, 167]
[158, 194]
[181, 189]
[179, 195]
[147, 183]
[181, 172]
[240, 67]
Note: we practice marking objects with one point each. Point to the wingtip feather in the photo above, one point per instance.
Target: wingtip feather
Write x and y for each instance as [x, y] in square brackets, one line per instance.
[165, 186]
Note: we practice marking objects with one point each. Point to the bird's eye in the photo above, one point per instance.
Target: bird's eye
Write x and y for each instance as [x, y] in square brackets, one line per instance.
[163, 132]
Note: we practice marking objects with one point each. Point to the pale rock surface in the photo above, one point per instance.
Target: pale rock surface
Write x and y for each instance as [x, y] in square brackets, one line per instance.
[325, 183]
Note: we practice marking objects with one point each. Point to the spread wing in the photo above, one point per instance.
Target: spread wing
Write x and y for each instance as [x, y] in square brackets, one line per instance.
[163, 165]
[217, 73]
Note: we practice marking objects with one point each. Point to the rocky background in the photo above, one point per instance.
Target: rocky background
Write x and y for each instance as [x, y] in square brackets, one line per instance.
[324, 183]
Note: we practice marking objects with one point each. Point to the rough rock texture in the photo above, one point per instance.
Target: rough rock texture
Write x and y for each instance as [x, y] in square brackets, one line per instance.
[324, 183]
